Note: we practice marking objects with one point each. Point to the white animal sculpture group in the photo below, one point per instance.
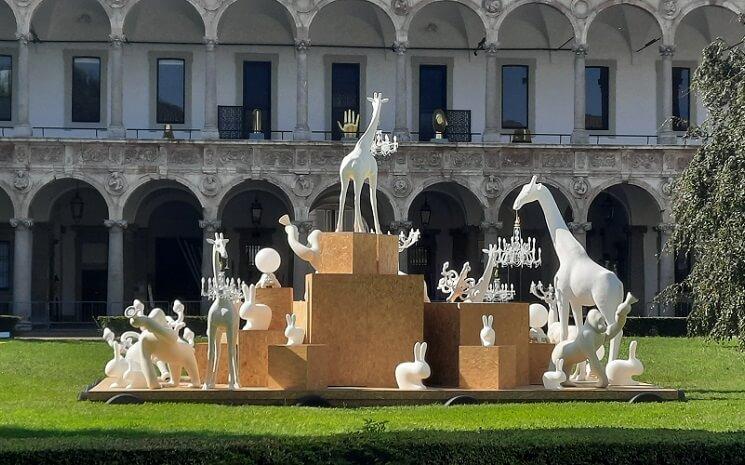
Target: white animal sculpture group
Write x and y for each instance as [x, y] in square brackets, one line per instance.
[409, 375]
[136, 355]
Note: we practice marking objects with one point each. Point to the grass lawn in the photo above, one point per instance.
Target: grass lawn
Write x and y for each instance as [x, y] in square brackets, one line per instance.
[39, 383]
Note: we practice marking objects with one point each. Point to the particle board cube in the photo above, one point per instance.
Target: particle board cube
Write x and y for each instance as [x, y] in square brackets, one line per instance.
[387, 253]
[300, 309]
[540, 355]
[200, 351]
[280, 301]
[447, 326]
[298, 367]
[369, 323]
[353, 253]
[492, 367]
[253, 347]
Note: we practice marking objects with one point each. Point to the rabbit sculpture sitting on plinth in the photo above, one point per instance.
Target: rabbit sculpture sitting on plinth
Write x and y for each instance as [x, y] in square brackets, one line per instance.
[294, 335]
[622, 372]
[257, 316]
[409, 375]
[488, 336]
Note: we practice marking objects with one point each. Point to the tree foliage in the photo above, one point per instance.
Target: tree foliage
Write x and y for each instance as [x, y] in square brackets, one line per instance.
[709, 200]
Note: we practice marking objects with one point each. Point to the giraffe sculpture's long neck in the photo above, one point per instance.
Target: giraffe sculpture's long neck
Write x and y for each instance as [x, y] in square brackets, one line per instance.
[565, 244]
[366, 139]
[215, 262]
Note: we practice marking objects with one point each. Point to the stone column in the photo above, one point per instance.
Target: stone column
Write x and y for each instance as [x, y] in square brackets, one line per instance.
[490, 229]
[302, 131]
[579, 134]
[667, 265]
[209, 227]
[398, 227]
[300, 267]
[210, 130]
[23, 127]
[115, 267]
[665, 134]
[491, 128]
[401, 129]
[579, 230]
[116, 118]
[22, 255]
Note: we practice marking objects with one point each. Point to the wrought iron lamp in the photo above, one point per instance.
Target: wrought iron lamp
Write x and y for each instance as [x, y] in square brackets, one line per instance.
[257, 210]
[77, 206]
[425, 213]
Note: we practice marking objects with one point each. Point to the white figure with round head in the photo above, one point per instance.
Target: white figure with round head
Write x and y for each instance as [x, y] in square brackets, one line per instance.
[267, 261]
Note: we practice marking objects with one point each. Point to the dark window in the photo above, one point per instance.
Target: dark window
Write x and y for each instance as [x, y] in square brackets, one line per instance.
[86, 90]
[433, 83]
[515, 96]
[596, 97]
[345, 94]
[681, 98]
[6, 88]
[171, 91]
[257, 94]
[4, 264]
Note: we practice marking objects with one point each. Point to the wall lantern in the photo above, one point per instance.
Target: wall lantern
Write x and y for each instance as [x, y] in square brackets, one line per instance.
[77, 206]
[425, 213]
[256, 211]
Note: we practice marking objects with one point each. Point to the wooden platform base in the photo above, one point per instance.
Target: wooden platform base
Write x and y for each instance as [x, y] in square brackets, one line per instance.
[356, 397]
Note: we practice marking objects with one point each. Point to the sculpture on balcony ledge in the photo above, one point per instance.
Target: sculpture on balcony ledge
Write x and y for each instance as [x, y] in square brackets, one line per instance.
[580, 281]
[360, 165]
[409, 375]
[310, 253]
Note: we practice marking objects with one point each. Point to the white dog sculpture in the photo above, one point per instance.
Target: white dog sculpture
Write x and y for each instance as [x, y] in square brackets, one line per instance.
[580, 281]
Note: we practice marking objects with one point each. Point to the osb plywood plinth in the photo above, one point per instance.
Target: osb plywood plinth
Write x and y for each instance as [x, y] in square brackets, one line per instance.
[358, 253]
[369, 322]
[492, 367]
[540, 354]
[298, 367]
[447, 326]
[252, 355]
[280, 301]
[200, 350]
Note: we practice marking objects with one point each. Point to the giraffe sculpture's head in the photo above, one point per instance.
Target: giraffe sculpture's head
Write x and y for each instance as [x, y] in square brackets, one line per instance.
[529, 193]
[377, 100]
[218, 245]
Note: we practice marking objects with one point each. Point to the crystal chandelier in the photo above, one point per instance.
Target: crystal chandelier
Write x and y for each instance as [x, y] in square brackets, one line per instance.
[517, 252]
[498, 292]
[222, 288]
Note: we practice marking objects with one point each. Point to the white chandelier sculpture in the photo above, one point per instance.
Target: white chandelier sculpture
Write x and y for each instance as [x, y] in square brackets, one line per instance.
[222, 287]
[382, 146]
[498, 292]
[517, 252]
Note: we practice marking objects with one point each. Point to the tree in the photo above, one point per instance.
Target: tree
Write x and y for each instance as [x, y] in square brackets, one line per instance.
[709, 200]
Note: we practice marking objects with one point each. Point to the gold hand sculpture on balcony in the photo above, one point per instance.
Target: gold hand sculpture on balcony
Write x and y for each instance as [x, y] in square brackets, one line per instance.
[351, 123]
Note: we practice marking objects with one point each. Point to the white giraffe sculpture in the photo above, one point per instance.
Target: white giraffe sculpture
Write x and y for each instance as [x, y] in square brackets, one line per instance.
[360, 165]
[580, 281]
[222, 317]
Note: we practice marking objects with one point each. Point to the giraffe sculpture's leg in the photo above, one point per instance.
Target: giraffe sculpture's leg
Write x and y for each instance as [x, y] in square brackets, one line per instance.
[342, 200]
[358, 224]
[374, 200]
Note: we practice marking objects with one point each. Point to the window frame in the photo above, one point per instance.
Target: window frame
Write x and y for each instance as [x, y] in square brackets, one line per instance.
[528, 85]
[157, 90]
[328, 64]
[7, 243]
[606, 119]
[103, 57]
[12, 87]
[612, 70]
[690, 98]
[72, 88]
[414, 65]
[153, 58]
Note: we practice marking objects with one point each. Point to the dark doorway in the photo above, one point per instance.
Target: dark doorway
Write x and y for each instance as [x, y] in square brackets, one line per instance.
[433, 96]
[609, 239]
[257, 95]
[177, 269]
[93, 288]
[345, 93]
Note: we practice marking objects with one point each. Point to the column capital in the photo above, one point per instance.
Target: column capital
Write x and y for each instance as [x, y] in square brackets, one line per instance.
[304, 227]
[490, 226]
[399, 47]
[580, 50]
[22, 223]
[665, 228]
[302, 45]
[210, 225]
[117, 40]
[115, 224]
[400, 226]
[24, 37]
[491, 49]
[578, 227]
[210, 42]
[667, 50]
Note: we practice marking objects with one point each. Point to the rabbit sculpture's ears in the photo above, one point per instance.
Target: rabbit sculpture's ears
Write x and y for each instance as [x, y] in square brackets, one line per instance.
[560, 365]
[632, 350]
[487, 320]
[420, 348]
[290, 320]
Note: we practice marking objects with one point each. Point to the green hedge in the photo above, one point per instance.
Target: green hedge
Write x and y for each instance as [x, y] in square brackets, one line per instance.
[635, 326]
[8, 322]
[431, 448]
[120, 324]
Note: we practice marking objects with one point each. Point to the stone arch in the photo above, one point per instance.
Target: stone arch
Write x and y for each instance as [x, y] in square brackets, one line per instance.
[190, 11]
[563, 10]
[90, 19]
[380, 4]
[641, 4]
[132, 198]
[550, 181]
[429, 182]
[328, 193]
[8, 204]
[40, 185]
[10, 22]
[472, 6]
[660, 202]
[268, 184]
[695, 5]
[291, 14]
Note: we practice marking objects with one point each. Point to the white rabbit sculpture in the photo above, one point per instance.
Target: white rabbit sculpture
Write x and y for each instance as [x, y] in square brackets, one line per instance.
[621, 372]
[487, 332]
[552, 379]
[294, 335]
[257, 316]
[409, 375]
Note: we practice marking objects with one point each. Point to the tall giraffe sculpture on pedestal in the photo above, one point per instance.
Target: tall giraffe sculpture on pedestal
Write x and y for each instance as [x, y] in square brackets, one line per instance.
[580, 281]
[360, 165]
